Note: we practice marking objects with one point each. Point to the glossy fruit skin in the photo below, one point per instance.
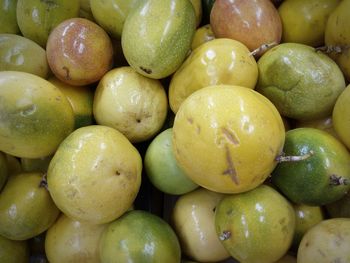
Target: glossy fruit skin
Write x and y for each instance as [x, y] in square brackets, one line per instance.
[131, 103]
[337, 33]
[219, 61]
[18, 53]
[248, 223]
[26, 207]
[79, 52]
[73, 241]
[36, 19]
[139, 236]
[305, 21]
[13, 251]
[111, 14]
[162, 169]
[238, 128]
[8, 20]
[313, 181]
[95, 174]
[193, 219]
[341, 122]
[29, 107]
[158, 47]
[326, 242]
[254, 23]
[303, 83]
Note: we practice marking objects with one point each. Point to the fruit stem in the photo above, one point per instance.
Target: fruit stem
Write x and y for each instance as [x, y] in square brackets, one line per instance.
[338, 180]
[294, 158]
[262, 48]
[43, 182]
[225, 235]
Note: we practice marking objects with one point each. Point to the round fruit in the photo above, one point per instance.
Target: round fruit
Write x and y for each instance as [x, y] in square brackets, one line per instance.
[220, 61]
[226, 138]
[131, 103]
[249, 223]
[36, 18]
[254, 23]
[12, 251]
[18, 53]
[162, 169]
[29, 123]
[26, 207]
[8, 19]
[79, 52]
[193, 218]
[302, 83]
[139, 236]
[321, 174]
[326, 242]
[95, 174]
[157, 36]
[73, 241]
[305, 21]
[341, 122]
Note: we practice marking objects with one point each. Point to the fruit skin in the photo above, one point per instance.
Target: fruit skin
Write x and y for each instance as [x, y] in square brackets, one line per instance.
[303, 83]
[249, 223]
[73, 241]
[95, 174]
[8, 19]
[130, 103]
[79, 52]
[238, 128]
[341, 121]
[305, 21]
[326, 242]
[220, 61]
[29, 107]
[161, 166]
[12, 251]
[48, 14]
[309, 181]
[26, 207]
[18, 53]
[158, 47]
[203, 34]
[254, 23]
[337, 33]
[139, 236]
[193, 219]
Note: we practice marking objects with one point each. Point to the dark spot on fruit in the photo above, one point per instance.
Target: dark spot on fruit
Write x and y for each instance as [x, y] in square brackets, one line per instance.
[117, 173]
[138, 120]
[190, 120]
[67, 72]
[146, 70]
[231, 171]
[230, 136]
[214, 209]
[225, 235]
[307, 244]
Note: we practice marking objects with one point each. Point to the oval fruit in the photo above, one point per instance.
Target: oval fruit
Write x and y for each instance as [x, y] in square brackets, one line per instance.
[220, 61]
[18, 53]
[36, 18]
[249, 223]
[12, 251]
[162, 169]
[341, 122]
[193, 217]
[237, 127]
[139, 236]
[79, 52]
[29, 107]
[130, 103]
[8, 19]
[326, 242]
[95, 174]
[254, 23]
[157, 36]
[26, 207]
[321, 176]
[302, 83]
[71, 241]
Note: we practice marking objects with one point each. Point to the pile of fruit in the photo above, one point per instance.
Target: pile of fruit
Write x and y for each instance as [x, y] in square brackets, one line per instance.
[175, 131]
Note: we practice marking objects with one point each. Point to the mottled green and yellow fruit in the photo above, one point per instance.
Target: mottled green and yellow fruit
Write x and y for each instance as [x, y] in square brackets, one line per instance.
[8, 19]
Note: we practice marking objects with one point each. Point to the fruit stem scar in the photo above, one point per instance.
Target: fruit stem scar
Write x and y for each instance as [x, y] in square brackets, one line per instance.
[43, 182]
[293, 158]
[338, 180]
[263, 48]
[225, 235]
[231, 171]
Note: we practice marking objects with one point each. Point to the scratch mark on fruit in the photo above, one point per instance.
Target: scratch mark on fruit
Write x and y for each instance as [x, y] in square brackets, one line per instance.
[225, 235]
[67, 72]
[231, 171]
[230, 136]
[146, 70]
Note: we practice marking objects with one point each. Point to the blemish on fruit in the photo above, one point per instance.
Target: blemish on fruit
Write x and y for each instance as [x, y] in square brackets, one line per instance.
[117, 173]
[338, 180]
[67, 72]
[231, 171]
[225, 235]
[230, 136]
[146, 70]
[190, 120]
